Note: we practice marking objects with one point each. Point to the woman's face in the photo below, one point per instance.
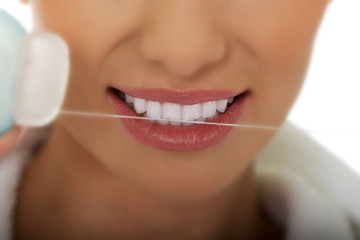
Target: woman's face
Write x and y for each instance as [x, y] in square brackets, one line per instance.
[233, 45]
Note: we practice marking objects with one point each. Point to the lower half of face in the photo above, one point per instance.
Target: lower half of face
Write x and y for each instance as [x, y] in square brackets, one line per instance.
[233, 62]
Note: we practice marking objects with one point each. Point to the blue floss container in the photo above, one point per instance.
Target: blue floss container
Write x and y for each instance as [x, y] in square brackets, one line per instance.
[11, 36]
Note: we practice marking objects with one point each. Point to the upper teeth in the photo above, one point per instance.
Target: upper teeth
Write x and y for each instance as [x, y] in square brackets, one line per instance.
[163, 112]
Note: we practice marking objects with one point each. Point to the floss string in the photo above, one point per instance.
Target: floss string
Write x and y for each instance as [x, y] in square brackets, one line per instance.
[104, 115]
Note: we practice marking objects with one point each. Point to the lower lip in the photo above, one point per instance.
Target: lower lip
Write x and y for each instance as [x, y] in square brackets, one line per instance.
[179, 138]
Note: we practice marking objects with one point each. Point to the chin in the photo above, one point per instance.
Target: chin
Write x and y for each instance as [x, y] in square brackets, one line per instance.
[184, 193]
[182, 186]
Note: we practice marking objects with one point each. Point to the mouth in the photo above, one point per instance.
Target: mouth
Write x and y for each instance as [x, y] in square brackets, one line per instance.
[169, 112]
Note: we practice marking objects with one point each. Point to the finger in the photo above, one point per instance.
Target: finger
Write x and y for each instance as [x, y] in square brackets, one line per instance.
[10, 139]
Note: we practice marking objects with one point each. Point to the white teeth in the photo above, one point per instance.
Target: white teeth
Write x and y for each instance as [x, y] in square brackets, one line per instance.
[153, 109]
[187, 124]
[201, 119]
[216, 114]
[191, 112]
[162, 122]
[208, 109]
[129, 99]
[166, 112]
[151, 120]
[172, 111]
[139, 105]
[221, 105]
[175, 123]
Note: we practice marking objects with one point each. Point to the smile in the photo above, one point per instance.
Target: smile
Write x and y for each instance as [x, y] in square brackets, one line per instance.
[168, 108]
[202, 112]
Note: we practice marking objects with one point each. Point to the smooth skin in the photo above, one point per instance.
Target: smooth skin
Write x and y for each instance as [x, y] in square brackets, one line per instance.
[93, 180]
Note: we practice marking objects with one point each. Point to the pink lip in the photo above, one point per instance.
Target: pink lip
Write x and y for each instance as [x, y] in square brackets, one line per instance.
[189, 97]
[180, 138]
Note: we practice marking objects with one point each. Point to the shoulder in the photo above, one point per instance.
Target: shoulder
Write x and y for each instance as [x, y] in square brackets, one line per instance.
[300, 178]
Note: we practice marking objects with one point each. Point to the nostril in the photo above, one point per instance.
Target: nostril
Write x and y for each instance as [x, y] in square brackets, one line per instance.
[182, 66]
[184, 52]
[183, 71]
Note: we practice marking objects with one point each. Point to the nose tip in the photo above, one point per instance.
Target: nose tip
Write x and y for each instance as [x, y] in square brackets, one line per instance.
[183, 50]
[186, 58]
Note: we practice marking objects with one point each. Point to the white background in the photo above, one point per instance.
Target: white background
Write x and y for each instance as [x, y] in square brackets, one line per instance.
[330, 99]
[331, 96]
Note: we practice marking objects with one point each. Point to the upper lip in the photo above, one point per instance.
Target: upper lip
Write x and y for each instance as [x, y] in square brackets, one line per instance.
[184, 97]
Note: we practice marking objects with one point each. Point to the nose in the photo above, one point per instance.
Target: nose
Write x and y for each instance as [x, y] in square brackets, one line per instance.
[180, 36]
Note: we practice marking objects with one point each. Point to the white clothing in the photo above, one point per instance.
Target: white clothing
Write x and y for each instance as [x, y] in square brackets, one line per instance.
[307, 190]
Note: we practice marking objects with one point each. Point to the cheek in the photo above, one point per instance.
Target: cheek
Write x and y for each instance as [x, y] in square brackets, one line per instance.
[91, 28]
[277, 32]
[279, 36]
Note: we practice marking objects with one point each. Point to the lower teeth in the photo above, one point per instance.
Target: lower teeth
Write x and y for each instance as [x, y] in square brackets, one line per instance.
[175, 122]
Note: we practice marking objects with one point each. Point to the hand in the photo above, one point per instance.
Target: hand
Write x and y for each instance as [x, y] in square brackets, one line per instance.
[12, 34]
[10, 139]
[43, 61]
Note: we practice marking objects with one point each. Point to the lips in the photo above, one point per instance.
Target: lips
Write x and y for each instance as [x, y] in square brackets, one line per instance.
[178, 138]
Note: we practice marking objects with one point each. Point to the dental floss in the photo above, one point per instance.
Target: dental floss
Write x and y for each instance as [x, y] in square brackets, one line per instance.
[261, 127]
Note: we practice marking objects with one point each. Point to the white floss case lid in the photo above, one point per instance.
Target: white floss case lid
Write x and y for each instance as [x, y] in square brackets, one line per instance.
[42, 79]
